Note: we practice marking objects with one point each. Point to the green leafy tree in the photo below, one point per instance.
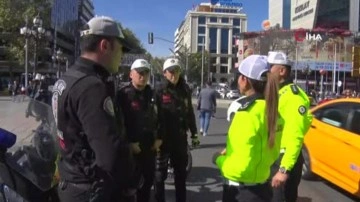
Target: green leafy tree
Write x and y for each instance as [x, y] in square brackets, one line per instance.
[12, 17]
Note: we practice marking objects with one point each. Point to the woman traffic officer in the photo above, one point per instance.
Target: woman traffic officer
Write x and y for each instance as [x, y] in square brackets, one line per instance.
[253, 141]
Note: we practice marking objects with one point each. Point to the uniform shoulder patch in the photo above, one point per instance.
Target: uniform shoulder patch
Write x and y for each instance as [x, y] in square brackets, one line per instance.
[294, 89]
[245, 103]
[302, 110]
[109, 106]
[59, 87]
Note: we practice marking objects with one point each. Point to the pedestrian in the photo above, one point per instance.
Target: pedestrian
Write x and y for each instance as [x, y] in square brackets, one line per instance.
[140, 118]
[95, 159]
[207, 107]
[294, 107]
[15, 91]
[176, 117]
[253, 142]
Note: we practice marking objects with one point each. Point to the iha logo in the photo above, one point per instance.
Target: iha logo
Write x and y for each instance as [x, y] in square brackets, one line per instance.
[301, 36]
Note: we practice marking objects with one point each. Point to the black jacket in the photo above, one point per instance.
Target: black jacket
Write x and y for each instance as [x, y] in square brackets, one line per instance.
[91, 143]
[176, 114]
[140, 114]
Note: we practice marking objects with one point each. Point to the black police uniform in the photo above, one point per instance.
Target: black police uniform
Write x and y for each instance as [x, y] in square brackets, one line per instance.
[141, 126]
[94, 157]
[176, 117]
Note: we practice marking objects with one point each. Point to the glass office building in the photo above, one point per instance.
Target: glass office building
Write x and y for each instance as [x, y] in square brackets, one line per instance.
[213, 28]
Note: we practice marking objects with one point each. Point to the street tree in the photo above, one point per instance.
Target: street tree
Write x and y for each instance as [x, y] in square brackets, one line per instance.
[13, 14]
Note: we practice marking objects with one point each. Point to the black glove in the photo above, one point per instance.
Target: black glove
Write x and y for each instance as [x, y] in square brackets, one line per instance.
[195, 140]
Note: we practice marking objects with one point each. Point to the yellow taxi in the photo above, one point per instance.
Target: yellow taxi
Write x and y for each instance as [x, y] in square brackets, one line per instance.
[332, 145]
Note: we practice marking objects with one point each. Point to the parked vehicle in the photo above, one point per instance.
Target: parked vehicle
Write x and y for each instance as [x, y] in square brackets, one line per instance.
[332, 145]
[28, 152]
[233, 94]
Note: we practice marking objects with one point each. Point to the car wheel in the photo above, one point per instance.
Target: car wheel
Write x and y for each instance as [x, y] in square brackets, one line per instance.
[306, 173]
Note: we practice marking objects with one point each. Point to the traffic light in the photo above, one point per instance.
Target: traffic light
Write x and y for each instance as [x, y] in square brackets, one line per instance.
[355, 71]
[150, 38]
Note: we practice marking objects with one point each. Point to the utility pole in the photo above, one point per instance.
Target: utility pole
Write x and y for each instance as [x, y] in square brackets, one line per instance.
[26, 56]
[202, 63]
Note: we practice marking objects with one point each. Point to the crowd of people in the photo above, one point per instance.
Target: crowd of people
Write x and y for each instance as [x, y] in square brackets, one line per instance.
[37, 88]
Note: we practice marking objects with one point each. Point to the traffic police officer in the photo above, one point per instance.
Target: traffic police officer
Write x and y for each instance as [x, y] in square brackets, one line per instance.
[176, 117]
[140, 117]
[253, 142]
[294, 107]
[93, 153]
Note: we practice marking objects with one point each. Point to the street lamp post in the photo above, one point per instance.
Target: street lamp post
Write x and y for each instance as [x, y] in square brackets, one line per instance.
[58, 57]
[37, 32]
[306, 71]
[322, 73]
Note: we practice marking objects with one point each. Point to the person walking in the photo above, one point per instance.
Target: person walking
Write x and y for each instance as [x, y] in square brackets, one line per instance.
[253, 142]
[207, 107]
[294, 106]
[176, 118]
[95, 161]
[140, 118]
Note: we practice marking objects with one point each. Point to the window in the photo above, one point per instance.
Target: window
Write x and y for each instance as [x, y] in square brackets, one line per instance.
[224, 60]
[335, 115]
[236, 22]
[355, 126]
[201, 30]
[201, 39]
[201, 20]
[236, 31]
[225, 20]
[223, 70]
[213, 39]
[224, 41]
[213, 19]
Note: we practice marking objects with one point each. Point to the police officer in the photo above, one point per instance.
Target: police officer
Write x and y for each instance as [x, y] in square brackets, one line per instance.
[176, 117]
[254, 135]
[93, 153]
[137, 102]
[294, 108]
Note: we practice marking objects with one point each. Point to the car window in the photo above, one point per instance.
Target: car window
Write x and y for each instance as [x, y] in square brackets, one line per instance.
[355, 122]
[335, 116]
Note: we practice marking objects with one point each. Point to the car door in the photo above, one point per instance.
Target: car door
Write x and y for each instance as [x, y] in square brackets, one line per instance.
[325, 140]
[349, 149]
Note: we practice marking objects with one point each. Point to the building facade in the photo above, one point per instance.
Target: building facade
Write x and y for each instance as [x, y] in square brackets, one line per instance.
[85, 13]
[311, 14]
[212, 28]
[279, 13]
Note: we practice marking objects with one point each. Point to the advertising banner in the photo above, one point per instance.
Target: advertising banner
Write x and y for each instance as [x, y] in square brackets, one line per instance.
[318, 50]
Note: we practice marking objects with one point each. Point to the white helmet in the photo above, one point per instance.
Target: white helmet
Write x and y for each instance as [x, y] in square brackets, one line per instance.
[278, 58]
[171, 62]
[140, 63]
[37, 76]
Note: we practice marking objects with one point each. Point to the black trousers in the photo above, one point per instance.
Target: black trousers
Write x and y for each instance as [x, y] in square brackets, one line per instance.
[178, 158]
[288, 192]
[257, 193]
[146, 163]
[72, 192]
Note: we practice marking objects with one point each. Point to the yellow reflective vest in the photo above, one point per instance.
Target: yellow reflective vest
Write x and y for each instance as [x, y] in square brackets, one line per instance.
[248, 157]
[294, 107]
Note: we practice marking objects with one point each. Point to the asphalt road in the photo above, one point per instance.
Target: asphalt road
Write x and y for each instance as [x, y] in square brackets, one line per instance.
[205, 182]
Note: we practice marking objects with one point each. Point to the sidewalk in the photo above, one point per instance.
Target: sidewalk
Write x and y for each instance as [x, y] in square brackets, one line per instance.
[12, 118]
